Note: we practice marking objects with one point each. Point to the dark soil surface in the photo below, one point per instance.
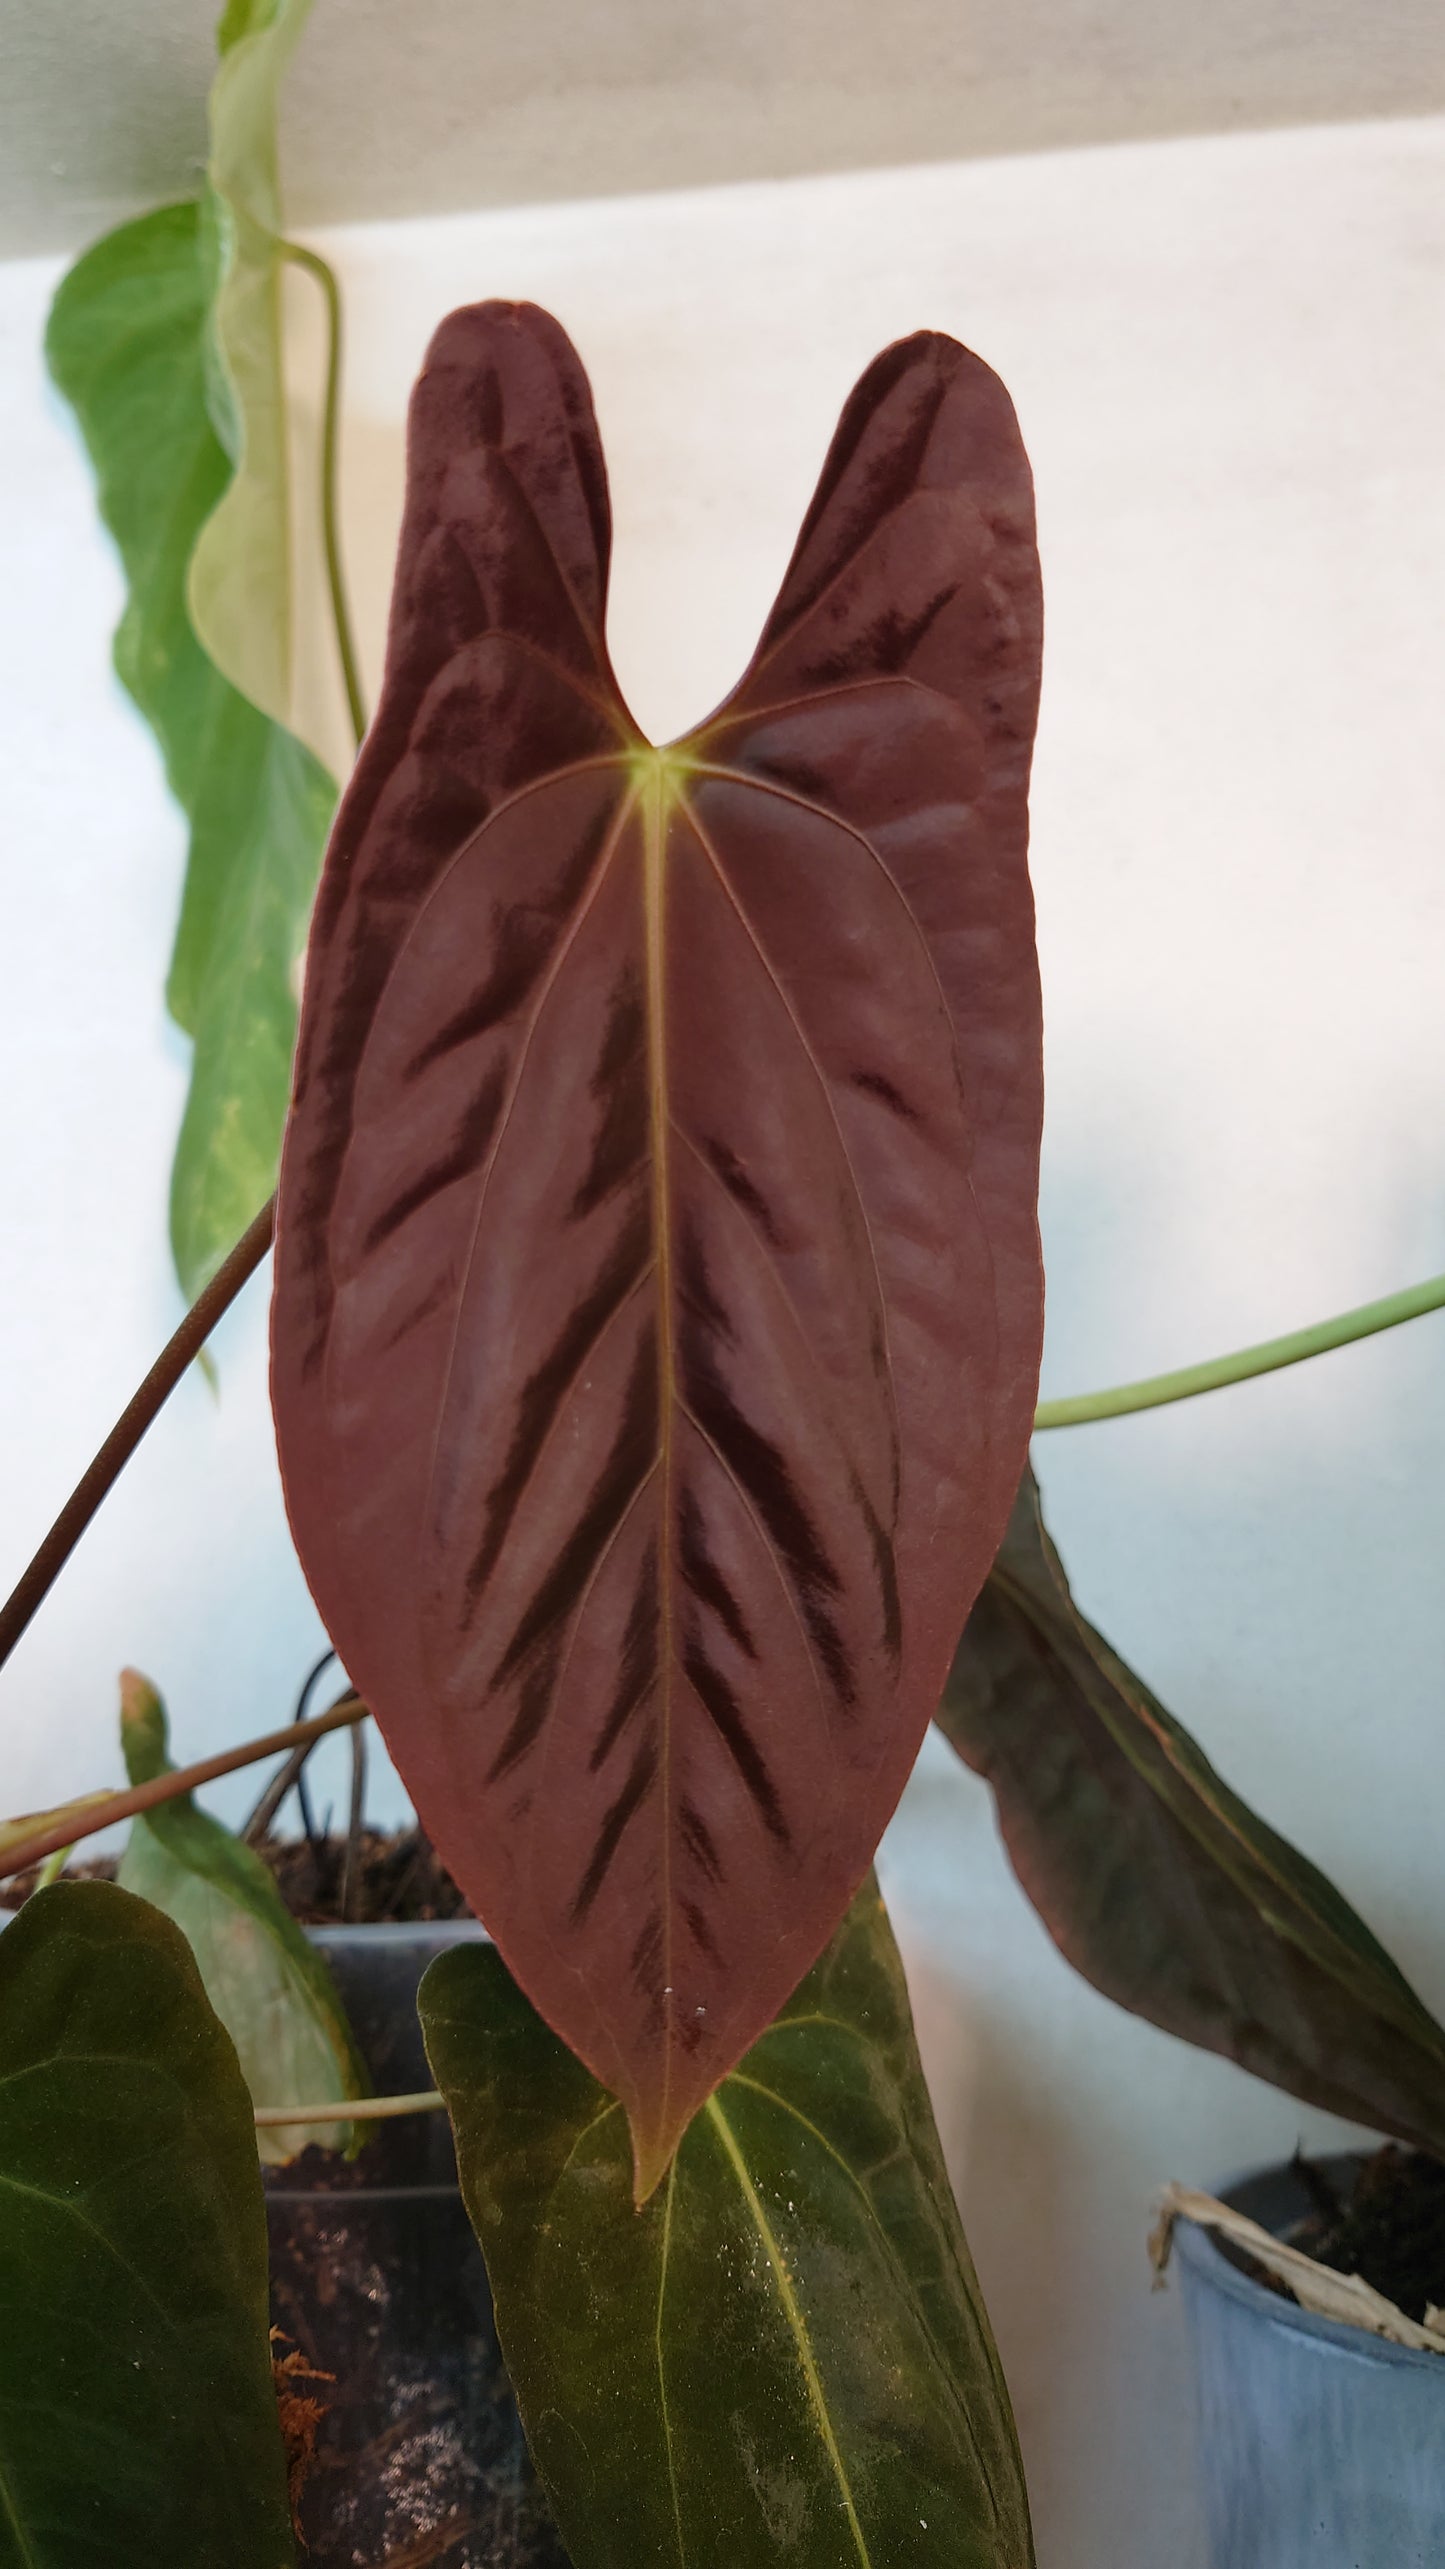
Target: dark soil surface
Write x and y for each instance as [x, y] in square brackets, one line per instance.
[398, 1879]
[1391, 2230]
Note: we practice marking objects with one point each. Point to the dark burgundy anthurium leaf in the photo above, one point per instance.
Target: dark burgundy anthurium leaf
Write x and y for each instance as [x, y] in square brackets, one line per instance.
[658, 1291]
[1156, 1881]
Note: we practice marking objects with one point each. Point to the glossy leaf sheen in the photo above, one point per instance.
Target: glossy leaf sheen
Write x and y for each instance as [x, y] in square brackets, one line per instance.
[658, 1295]
[268, 1983]
[138, 2422]
[1156, 1881]
[784, 2356]
[127, 346]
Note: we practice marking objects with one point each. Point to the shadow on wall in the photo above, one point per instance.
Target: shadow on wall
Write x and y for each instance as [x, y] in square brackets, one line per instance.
[1054, 2148]
[1009, 2152]
[577, 98]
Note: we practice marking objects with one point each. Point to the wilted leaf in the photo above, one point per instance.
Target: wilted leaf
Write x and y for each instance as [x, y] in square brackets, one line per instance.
[784, 2355]
[301, 2414]
[1156, 1881]
[658, 1295]
[129, 346]
[138, 2421]
[240, 574]
[266, 1980]
[1331, 2295]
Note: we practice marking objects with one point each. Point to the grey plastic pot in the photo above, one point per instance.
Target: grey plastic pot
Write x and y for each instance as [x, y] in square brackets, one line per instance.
[1320, 2446]
[377, 2277]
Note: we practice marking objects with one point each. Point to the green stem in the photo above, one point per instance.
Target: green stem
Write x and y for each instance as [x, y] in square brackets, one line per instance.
[354, 2109]
[330, 444]
[1247, 1361]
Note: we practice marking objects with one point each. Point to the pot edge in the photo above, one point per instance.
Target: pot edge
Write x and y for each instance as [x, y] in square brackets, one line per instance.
[1213, 2271]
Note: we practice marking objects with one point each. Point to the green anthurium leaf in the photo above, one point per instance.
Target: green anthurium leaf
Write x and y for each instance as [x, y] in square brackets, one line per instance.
[127, 345]
[1156, 1881]
[240, 572]
[784, 2354]
[138, 2423]
[266, 1981]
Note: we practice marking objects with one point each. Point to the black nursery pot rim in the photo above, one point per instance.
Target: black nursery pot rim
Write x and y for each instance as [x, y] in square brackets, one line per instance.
[1255, 2193]
[363, 2194]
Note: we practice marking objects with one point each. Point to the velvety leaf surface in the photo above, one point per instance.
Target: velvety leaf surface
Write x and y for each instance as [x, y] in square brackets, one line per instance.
[128, 346]
[138, 2424]
[240, 572]
[265, 1979]
[784, 2355]
[1156, 1881]
[658, 1297]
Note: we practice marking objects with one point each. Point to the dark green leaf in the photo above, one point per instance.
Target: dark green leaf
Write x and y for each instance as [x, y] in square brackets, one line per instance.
[127, 345]
[1156, 1881]
[138, 2425]
[784, 2354]
[265, 1979]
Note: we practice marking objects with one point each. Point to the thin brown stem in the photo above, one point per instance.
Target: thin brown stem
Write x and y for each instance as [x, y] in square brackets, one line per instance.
[100, 1476]
[87, 1817]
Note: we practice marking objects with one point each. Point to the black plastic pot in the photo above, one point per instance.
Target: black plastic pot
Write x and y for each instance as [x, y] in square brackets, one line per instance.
[376, 2276]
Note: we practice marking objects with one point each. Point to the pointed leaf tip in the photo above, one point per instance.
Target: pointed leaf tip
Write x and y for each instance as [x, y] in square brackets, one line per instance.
[144, 1739]
[658, 1297]
[651, 2159]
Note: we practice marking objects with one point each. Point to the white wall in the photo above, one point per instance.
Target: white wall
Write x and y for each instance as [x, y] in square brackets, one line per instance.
[103, 102]
[1227, 358]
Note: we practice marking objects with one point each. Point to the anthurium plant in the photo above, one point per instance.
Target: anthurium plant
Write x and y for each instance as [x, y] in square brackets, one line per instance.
[656, 1328]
